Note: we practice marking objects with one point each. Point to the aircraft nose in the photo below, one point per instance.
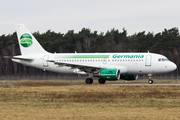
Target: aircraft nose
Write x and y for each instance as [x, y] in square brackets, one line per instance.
[173, 66]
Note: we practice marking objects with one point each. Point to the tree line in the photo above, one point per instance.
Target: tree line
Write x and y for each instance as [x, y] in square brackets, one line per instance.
[166, 43]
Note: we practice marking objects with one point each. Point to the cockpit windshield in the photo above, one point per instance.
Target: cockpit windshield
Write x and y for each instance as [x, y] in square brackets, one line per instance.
[162, 59]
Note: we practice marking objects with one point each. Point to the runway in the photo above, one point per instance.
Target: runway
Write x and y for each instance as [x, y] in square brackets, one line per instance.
[145, 84]
[125, 84]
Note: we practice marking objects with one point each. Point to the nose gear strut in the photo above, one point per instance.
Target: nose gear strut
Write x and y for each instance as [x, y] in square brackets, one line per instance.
[150, 80]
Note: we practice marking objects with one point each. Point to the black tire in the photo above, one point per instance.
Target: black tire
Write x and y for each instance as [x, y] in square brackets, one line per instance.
[150, 81]
[101, 81]
[89, 81]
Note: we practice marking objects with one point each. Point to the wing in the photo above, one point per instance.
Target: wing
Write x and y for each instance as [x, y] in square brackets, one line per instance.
[82, 67]
[88, 68]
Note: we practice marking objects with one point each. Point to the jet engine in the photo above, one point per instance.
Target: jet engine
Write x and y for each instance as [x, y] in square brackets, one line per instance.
[108, 74]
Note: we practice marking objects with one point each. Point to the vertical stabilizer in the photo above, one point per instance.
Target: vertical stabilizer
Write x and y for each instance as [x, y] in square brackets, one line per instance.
[27, 42]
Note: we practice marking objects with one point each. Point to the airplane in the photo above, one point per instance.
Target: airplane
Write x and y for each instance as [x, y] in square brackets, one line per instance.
[105, 66]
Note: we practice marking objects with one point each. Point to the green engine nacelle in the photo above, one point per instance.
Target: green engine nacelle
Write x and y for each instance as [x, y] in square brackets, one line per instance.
[129, 77]
[110, 74]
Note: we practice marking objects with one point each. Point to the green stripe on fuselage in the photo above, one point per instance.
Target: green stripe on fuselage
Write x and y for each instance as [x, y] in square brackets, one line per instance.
[83, 56]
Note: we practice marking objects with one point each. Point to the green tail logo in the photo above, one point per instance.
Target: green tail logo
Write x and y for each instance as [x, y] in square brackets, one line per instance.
[26, 40]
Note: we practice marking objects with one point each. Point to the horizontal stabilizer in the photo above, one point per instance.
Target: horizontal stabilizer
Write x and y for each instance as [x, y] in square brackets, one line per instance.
[19, 58]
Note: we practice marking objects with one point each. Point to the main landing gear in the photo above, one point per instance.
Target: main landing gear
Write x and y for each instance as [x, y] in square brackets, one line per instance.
[150, 80]
[101, 81]
[90, 81]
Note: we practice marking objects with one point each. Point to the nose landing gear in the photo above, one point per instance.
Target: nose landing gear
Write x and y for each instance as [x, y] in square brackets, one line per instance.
[150, 80]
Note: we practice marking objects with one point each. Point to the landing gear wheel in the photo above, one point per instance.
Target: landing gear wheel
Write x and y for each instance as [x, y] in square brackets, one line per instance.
[89, 81]
[150, 81]
[101, 81]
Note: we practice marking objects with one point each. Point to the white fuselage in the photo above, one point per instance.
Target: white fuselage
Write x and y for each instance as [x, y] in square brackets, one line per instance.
[128, 63]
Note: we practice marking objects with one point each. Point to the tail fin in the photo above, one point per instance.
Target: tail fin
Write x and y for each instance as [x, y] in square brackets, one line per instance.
[27, 42]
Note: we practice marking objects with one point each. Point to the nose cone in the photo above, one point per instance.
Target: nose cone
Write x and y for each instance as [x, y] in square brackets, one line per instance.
[172, 66]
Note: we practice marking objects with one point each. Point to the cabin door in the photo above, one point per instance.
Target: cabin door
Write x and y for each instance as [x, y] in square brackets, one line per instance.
[148, 60]
[45, 63]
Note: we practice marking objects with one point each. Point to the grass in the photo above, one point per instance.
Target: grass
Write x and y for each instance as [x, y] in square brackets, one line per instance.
[58, 100]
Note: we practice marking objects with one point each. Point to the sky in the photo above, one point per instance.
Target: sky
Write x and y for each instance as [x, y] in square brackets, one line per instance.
[98, 15]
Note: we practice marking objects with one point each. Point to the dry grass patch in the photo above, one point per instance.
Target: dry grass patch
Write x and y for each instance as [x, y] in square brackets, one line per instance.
[89, 102]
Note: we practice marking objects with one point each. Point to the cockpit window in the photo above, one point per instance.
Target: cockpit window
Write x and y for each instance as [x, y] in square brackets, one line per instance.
[162, 59]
